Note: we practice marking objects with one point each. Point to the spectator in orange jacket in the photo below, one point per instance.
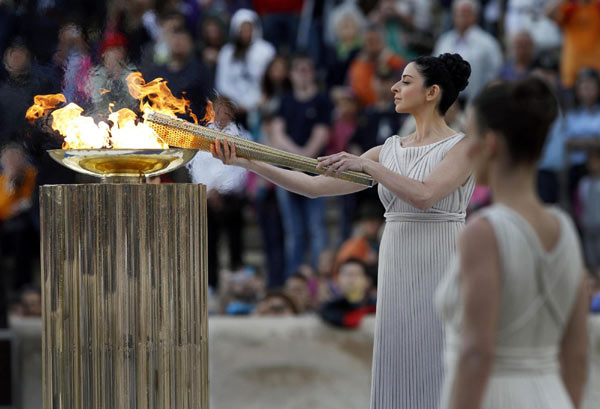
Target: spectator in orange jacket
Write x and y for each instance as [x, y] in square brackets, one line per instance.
[374, 55]
[364, 245]
[17, 232]
[580, 22]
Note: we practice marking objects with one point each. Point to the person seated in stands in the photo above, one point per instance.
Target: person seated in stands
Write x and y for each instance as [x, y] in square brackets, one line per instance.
[582, 125]
[30, 304]
[347, 22]
[17, 184]
[580, 22]
[380, 120]
[348, 310]
[185, 73]
[277, 303]
[521, 57]
[323, 287]
[241, 291]
[374, 56]
[589, 204]
[591, 395]
[595, 292]
[108, 80]
[364, 245]
[297, 286]
[344, 126]
[17, 180]
[478, 47]
[242, 62]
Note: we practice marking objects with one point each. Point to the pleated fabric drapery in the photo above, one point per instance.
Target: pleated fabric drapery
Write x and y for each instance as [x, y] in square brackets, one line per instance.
[538, 290]
[415, 250]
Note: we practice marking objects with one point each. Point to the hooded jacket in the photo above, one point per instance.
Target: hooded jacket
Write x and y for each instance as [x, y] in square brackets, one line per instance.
[240, 79]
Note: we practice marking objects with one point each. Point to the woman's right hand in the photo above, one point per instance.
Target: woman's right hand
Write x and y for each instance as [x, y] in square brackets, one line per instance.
[225, 151]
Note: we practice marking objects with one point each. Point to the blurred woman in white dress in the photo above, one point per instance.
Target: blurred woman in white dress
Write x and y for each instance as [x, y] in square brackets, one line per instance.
[514, 301]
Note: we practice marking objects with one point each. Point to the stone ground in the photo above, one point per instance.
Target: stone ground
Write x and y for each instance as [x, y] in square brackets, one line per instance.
[276, 363]
[289, 364]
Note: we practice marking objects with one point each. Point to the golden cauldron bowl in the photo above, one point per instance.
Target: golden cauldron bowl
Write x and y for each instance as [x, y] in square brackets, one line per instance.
[122, 165]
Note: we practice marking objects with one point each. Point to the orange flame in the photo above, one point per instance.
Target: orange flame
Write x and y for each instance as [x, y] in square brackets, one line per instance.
[210, 112]
[124, 129]
[129, 134]
[156, 96]
[122, 117]
[81, 132]
[43, 104]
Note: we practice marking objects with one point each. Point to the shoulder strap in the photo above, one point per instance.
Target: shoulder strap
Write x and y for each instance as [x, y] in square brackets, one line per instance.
[448, 142]
[544, 284]
[453, 140]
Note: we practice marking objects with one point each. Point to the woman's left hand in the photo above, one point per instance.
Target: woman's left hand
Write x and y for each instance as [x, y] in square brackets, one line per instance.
[341, 162]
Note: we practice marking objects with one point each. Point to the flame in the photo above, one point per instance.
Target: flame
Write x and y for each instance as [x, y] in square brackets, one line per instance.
[43, 104]
[124, 129]
[210, 112]
[81, 132]
[156, 96]
[122, 117]
[128, 134]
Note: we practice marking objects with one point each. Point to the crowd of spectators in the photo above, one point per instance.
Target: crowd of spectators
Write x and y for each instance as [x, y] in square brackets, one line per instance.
[306, 76]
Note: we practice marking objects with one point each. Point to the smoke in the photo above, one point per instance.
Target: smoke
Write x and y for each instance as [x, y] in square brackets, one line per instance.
[118, 95]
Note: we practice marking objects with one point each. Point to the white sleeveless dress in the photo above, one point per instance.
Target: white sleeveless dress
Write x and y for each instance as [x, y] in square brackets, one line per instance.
[414, 253]
[538, 290]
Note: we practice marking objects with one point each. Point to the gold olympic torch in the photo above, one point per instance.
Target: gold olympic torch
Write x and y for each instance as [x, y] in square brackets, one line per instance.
[183, 134]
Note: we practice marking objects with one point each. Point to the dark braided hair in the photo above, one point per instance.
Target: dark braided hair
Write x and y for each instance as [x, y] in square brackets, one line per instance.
[522, 112]
[448, 71]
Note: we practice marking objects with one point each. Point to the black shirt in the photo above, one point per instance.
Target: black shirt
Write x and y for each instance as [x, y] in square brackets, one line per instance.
[375, 125]
[302, 116]
[192, 82]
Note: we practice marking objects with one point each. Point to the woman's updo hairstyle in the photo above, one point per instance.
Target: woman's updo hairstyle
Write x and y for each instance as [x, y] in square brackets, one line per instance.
[448, 71]
[522, 112]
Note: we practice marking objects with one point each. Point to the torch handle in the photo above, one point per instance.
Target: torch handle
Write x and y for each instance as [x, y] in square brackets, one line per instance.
[183, 134]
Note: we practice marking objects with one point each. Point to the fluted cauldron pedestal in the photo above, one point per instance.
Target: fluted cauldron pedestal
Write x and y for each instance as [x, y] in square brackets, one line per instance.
[124, 296]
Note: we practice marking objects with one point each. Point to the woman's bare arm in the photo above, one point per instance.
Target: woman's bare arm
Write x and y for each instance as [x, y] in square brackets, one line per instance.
[448, 176]
[573, 348]
[480, 290]
[297, 182]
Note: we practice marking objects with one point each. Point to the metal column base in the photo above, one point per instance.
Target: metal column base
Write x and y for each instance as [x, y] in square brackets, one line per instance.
[124, 296]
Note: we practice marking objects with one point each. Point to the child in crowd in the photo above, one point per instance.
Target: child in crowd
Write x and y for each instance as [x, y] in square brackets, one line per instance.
[297, 286]
[348, 310]
[241, 291]
[277, 304]
[323, 287]
[364, 245]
